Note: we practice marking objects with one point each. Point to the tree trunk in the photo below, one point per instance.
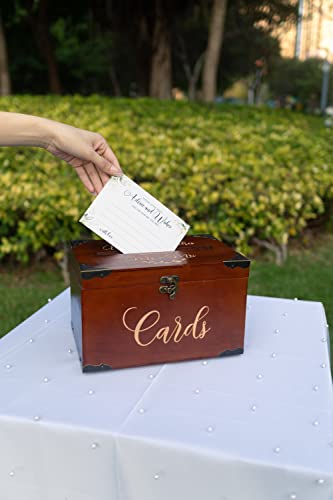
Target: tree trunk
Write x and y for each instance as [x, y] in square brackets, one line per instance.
[192, 76]
[5, 87]
[143, 55]
[115, 81]
[192, 87]
[160, 79]
[40, 28]
[214, 45]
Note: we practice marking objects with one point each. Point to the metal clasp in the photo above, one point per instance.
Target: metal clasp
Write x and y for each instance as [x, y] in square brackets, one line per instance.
[169, 285]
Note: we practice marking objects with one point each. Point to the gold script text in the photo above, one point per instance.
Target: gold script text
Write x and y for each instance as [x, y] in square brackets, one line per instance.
[145, 334]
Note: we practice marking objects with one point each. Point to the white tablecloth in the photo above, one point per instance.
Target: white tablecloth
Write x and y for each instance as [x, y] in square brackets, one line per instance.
[257, 426]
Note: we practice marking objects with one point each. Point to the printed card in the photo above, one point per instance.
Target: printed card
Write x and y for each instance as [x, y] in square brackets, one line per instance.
[132, 220]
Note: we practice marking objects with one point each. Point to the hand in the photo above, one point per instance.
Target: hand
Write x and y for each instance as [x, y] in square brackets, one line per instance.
[88, 152]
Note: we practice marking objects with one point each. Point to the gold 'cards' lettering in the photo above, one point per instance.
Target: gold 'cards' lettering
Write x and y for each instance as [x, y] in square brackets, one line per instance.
[145, 334]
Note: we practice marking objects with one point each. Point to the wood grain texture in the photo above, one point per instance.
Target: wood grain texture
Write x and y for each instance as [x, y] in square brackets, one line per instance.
[121, 317]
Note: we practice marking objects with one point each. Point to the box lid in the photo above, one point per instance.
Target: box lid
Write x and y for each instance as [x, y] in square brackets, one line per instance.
[98, 259]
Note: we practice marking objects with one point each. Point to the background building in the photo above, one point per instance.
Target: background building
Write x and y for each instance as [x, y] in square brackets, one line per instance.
[315, 31]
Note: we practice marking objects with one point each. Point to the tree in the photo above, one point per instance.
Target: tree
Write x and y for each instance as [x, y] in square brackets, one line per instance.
[300, 79]
[132, 43]
[248, 23]
[161, 75]
[5, 85]
[143, 54]
[190, 36]
[137, 47]
[192, 74]
[252, 24]
[148, 35]
[213, 50]
[38, 18]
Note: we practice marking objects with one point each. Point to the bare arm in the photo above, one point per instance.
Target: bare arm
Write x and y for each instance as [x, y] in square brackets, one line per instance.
[88, 152]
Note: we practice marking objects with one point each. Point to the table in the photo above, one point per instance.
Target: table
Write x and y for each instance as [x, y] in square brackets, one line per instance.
[257, 426]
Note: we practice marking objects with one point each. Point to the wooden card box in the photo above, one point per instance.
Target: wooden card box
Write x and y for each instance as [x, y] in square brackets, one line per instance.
[139, 309]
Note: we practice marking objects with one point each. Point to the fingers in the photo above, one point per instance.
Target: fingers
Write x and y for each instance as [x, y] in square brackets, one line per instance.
[105, 165]
[94, 177]
[104, 150]
[109, 155]
[104, 177]
[89, 154]
[93, 180]
[81, 172]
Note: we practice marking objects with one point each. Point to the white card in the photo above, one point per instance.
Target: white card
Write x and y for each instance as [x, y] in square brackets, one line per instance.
[132, 220]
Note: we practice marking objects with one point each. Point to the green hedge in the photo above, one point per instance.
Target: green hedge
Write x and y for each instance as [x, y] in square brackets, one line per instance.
[246, 175]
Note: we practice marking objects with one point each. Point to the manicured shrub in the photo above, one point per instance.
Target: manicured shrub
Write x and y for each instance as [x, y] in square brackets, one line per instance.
[246, 175]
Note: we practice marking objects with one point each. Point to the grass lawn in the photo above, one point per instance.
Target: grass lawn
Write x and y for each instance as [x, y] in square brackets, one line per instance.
[307, 274]
[24, 290]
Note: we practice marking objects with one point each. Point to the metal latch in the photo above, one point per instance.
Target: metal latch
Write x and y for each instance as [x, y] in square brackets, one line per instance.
[169, 285]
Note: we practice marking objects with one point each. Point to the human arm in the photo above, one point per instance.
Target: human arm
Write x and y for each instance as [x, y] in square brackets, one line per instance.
[88, 152]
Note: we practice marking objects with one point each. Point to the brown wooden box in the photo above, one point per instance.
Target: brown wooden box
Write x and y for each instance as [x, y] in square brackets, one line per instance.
[145, 308]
